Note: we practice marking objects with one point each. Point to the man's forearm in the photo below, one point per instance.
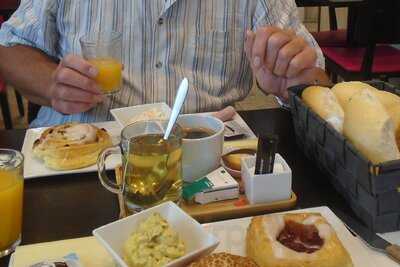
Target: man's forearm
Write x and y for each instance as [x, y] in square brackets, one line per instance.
[29, 70]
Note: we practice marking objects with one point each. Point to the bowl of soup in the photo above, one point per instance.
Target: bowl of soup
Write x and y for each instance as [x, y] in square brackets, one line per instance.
[203, 139]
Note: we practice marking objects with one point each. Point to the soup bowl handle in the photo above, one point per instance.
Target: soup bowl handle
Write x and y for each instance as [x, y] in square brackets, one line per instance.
[101, 169]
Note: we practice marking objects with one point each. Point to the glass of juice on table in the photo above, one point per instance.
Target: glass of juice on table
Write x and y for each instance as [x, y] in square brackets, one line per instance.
[11, 196]
[104, 51]
[151, 166]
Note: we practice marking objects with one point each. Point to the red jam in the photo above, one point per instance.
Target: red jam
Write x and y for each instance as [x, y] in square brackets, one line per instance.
[300, 237]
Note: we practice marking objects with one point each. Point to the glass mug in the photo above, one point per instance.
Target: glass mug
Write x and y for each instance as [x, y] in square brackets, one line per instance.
[11, 198]
[104, 51]
[151, 166]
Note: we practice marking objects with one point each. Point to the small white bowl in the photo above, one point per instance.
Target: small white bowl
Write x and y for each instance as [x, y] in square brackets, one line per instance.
[198, 242]
[125, 115]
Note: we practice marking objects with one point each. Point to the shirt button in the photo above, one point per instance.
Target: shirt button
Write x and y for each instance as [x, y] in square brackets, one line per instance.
[159, 65]
[160, 21]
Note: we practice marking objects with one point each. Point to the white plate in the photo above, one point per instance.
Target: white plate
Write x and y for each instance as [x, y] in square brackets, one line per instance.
[124, 115]
[197, 241]
[34, 167]
[232, 236]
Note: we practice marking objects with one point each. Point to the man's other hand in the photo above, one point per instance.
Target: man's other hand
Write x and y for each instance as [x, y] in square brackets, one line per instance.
[73, 89]
[280, 59]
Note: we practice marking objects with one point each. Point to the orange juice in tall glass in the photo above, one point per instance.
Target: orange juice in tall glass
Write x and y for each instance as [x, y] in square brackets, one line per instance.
[109, 77]
[104, 51]
[11, 198]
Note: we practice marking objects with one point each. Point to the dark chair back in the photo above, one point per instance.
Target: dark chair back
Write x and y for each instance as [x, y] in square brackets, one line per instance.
[377, 21]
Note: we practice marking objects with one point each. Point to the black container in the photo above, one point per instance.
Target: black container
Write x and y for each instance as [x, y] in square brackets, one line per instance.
[372, 190]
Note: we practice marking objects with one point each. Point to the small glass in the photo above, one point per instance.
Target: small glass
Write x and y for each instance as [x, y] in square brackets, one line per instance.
[104, 51]
[11, 198]
[151, 166]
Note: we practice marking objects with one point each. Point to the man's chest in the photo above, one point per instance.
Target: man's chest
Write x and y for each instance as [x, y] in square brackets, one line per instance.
[150, 20]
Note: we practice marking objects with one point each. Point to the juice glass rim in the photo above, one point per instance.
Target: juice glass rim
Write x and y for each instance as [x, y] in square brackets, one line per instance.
[91, 39]
[17, 152]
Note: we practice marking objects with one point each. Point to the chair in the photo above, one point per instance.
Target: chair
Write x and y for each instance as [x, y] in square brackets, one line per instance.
[5, 108]
[335, 36]
[376, 26]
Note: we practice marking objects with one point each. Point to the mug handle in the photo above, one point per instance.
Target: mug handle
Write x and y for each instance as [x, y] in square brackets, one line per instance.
[101, 169]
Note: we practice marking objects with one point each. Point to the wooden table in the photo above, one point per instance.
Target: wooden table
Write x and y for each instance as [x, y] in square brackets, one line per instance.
[71, 206]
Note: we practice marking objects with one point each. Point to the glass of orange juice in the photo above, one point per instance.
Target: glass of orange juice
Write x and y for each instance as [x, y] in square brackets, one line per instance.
[11, 198]
[104, 51]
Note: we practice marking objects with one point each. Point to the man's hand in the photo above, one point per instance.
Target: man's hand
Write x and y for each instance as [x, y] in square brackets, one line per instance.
[73, 89]
[280, 59]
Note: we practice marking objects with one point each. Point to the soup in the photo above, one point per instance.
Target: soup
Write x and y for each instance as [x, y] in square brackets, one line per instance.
[197, 133]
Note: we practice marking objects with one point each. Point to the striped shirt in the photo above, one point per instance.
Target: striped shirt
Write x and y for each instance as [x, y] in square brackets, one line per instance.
[163, 42]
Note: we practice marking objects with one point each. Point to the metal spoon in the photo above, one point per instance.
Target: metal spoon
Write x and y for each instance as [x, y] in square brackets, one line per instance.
[180, 98]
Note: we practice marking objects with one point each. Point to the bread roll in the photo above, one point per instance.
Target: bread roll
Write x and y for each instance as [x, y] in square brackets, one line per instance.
[323, 102]
[369, 127]
[394, 113]
[345, 90]
[298, 239]
[223, 260]
[71, 146]
[387, 99]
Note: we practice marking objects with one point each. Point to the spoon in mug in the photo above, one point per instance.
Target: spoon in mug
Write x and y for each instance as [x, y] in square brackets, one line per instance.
[180, 98]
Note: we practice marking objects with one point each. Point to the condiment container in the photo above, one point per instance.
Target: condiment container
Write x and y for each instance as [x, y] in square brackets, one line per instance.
[270, 187]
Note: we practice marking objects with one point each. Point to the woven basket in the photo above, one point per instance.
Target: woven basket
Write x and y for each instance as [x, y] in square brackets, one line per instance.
[370, 189]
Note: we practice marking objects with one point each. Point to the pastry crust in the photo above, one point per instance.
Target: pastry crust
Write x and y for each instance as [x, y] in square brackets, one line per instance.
[263, 247]
[223, 260]
[71, 146]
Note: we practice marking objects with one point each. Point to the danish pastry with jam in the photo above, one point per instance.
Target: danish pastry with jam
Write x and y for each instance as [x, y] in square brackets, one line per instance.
[71, 146]
[298, 239]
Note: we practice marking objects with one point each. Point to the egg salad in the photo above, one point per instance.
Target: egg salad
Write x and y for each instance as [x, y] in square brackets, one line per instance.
[153, 244]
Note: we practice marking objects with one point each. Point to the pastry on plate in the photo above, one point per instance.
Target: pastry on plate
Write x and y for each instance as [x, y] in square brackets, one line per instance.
[71, 146]
[297, 239]
[223, 260]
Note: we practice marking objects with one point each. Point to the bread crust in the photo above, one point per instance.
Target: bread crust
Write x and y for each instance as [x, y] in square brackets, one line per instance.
[223, 260]
[369, 127]
[271, 253]
[323, 102]
[59, 152]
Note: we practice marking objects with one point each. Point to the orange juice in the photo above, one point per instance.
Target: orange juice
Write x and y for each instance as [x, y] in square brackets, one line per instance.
[110, 74]
[11, 195]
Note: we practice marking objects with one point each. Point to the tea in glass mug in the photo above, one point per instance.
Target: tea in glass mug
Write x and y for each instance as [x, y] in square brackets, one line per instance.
[151, 166]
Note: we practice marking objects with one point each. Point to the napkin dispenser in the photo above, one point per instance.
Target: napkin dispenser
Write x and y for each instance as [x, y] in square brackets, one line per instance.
[270, 187]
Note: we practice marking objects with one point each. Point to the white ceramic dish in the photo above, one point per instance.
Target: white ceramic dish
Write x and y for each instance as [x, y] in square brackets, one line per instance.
[269, 187]
[125, 115]
[34, 167]
[197, 241]
[232, 236]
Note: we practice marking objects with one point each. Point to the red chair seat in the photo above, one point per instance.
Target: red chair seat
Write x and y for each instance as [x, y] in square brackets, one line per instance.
[331, 38]
[386, 58]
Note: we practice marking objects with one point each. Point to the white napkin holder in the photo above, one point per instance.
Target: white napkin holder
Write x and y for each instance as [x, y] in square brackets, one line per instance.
[270, 187]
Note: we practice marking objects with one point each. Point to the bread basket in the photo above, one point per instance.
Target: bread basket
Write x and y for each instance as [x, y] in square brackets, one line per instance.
[372, 190]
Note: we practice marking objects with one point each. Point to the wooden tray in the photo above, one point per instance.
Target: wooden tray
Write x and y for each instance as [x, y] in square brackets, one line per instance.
[221, 210]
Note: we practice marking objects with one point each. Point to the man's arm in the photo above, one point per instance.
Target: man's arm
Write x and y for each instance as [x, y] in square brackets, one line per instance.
[29, 70]
[68, 86]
